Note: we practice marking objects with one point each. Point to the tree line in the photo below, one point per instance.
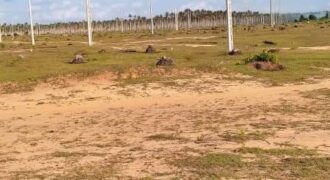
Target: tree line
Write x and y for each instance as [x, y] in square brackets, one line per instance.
[187, 19]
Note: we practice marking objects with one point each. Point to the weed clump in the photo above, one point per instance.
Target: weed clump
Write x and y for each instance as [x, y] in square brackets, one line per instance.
[262, 57]
[264, 61]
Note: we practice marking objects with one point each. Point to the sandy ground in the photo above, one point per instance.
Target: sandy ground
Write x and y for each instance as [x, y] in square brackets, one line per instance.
[96, 123]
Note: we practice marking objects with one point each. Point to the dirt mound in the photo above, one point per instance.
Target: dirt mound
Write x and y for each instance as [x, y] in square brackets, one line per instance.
[165, 61]
[282, 28]
[78, 59]
[267, 66]
[235, 52]
[269, 42]
[102, 51]
[150, 49]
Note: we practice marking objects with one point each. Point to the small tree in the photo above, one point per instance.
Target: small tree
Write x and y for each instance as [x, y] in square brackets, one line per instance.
[302, 18]
[312, 17]
[326, 17]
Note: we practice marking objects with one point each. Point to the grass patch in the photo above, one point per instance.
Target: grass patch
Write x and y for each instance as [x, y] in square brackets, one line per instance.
[165, 137]
[89, 172]
[243, 136]
[293, 152]
[307, 168]
[61, 154]
[43, 63]
[9, 88]
[268, 164]
[319, 94]
[213, 165]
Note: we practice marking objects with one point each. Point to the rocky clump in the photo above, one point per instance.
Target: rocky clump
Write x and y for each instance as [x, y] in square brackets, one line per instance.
[165, 61]
[150, 49]
[78, 59]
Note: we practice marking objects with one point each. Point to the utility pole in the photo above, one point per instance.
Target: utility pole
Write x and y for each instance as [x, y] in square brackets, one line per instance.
[176, 20]
[272, 22]
[189, 20]
[0, 33]
[230, 26]
[89, 23]
[31, 24]
[151, 17]
[122, 25]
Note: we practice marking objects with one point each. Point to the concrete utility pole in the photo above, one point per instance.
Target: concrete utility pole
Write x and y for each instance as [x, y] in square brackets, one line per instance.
[189, 20]
[272, 19]
[176, 20]
[89, 23]
[122, 25]
[230, 26]
[151, 17]
[31, 24]
[0, 33]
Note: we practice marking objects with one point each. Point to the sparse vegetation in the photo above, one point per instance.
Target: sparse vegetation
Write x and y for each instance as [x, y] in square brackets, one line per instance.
[289, 164]
[319, 94]
[89, 172]
[213, 165]
[165, 137]
[294, 152]
[242, 136]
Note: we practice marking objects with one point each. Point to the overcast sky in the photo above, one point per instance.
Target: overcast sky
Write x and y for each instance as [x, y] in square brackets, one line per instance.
[46, 11]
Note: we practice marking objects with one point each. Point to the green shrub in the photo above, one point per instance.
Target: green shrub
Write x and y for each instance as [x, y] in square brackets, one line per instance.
[312, 17]
[262, 57]
[2, 46]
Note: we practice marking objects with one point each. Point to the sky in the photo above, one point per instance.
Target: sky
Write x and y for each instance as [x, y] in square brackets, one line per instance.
[48, 11]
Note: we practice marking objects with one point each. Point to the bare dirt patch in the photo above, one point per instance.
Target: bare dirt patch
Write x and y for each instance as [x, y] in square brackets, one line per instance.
[139, 130]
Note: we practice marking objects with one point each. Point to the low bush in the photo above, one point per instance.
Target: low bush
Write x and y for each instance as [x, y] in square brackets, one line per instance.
[262, 57]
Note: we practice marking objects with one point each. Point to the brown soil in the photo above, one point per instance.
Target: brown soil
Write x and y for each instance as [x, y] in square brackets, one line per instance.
[136, 129]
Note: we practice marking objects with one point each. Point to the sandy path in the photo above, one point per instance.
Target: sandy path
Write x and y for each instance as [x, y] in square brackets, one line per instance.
[50, 131]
